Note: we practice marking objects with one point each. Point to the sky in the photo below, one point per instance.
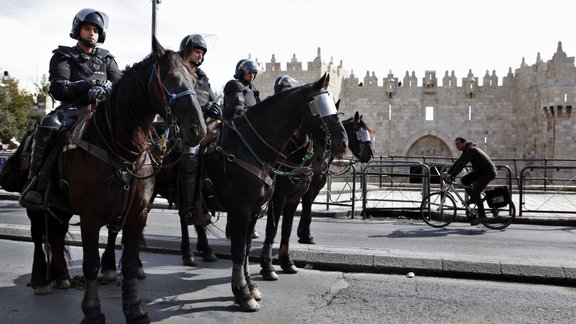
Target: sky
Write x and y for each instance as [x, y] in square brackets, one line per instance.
[366, 35]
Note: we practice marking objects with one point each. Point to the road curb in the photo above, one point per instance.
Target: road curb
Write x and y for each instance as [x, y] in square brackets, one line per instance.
[363, 260]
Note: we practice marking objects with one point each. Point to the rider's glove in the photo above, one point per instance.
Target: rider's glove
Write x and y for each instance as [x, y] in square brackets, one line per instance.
[212, 110]
[106, 84]
[96, 93]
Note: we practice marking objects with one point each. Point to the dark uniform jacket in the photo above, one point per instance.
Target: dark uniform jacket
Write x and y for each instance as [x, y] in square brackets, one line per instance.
[238, 97]
[72, 72]
[204, 92]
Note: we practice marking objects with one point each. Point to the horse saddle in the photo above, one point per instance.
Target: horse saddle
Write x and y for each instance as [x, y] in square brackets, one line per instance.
[208, 144]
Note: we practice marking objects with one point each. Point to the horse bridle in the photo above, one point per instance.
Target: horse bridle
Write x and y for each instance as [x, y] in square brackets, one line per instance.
[362, 135]
[128, 165]
[320, 105]
[166, 93]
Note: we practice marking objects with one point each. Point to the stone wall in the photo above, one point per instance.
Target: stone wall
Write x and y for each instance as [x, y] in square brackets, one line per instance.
[528, 115]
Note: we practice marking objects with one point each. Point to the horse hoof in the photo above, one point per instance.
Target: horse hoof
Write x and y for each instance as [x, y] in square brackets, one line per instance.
[210, 257]
[289, 269]
[140, 274]
[306, 240]
[256, 294]
[249, 305]
[144, 319]
[269, 275]
[62, 284]
[189, 261]
[100, 319]
[108, 276]
[43, 290]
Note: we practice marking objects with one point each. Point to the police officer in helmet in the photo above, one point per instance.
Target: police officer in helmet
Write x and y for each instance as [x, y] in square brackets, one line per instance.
[189, 165]
[240, 94]
[79, 75]
[284, 82]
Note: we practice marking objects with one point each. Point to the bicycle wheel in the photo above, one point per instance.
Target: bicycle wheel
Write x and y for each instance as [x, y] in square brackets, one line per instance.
[438, 209]
[499, 218]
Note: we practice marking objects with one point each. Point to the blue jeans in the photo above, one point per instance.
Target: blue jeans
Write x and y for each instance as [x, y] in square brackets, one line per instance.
[478, 181]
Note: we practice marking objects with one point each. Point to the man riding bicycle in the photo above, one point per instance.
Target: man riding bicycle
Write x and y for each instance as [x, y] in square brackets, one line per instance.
[483, 171]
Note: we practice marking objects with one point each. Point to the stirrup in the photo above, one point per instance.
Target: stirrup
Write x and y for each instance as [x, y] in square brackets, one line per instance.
[34, 202]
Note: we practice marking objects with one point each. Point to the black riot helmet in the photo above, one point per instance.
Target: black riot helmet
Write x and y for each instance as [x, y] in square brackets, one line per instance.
[245, 66]
[197, 42]
[92, 17]
[282, 82]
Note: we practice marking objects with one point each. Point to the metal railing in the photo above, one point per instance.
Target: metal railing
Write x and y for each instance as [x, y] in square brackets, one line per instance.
[558, 181]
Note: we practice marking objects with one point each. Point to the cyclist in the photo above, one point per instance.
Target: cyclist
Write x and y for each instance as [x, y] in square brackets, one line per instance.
[483, 171]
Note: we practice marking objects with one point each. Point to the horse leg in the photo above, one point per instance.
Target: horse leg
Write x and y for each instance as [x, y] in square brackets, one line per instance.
[108, 269]
[90, 264]
[304, 236]
[185, 250]
[268, 272]
[203, 246]
[251, 284]
[39, 280]
[108, 262]
[131, 304]
[239, 231]
[58, 266]
[286, 263]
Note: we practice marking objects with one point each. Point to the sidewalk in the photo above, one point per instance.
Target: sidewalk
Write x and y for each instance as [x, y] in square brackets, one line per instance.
[483, 259]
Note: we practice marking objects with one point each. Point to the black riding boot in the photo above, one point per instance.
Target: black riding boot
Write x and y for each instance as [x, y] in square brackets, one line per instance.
[189, 167]
[33, 194]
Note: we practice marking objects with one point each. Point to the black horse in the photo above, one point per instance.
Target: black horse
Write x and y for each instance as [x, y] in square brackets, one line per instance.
[106, 172]
[289, 190]
[242, 161]
[48, 232]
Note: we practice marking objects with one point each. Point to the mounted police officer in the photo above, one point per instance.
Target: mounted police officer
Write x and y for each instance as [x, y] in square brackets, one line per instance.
[189, 165]
[79, 75]
[240, 94]
[284, 82]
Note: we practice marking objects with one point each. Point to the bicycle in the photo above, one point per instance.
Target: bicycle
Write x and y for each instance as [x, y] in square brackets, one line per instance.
[439, 208]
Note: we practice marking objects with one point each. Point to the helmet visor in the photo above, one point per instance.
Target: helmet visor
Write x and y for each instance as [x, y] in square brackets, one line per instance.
[249, 67]
[287, 81]
[99, 18]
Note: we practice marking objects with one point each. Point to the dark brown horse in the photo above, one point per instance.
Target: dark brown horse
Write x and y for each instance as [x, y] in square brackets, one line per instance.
[166, 186]
[106, 172]
[243, 159]
[289, 190]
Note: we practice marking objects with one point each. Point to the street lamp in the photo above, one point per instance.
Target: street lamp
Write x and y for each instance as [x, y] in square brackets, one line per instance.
[155, 4]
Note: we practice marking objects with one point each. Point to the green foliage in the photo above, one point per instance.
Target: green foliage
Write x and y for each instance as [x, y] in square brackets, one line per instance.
[15, 105]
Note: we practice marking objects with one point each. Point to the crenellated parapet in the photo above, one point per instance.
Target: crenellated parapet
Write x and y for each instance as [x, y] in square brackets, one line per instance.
[294, 68]
[526, 114]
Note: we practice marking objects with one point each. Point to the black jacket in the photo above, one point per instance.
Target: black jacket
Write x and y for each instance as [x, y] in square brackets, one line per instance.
[73, 72]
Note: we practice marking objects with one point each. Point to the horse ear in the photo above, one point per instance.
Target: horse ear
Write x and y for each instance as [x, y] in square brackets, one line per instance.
[326, 80]
[357, 116]
[322, 83]
[338, 104]
[157, 49]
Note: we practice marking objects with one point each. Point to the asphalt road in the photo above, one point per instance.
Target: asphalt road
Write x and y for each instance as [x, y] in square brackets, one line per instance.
[172, 293]
[531, 253]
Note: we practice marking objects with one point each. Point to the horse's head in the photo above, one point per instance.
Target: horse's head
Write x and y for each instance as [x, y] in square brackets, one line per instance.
[173, 88]
[359, 140]
[321, 120]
